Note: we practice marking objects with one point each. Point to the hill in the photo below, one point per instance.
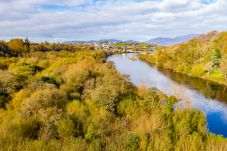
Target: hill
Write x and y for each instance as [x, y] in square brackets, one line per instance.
[92, 41]
[204, 56]
[163, 41]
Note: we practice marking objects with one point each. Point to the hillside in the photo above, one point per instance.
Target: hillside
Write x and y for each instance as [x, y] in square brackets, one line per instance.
[163, 41]
[204, 56]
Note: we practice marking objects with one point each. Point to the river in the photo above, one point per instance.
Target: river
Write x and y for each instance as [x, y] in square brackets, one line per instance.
[209, 97]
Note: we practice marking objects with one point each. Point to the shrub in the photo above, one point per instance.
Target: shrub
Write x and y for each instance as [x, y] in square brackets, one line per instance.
[24, 69]
[52, 80]
[77, 108]
[198, 70]
[50, 119]
[128, 108]
[29, 128]
[42, 99]
[217, 74]
[92, 133]
[17, 46]
[192, 142]
[28, 91]
[106, 97]
[133, 142]
[9, 84]
[66, 128]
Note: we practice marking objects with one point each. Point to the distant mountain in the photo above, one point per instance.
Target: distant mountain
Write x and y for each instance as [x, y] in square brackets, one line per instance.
[109, 40]
[93, 41]
[156, 41]
[131, 41]
[79, 41]
[163, 41]
[102, 40]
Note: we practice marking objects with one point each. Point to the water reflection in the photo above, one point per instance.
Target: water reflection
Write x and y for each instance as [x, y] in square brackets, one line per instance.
[207, 96]
[207, 88]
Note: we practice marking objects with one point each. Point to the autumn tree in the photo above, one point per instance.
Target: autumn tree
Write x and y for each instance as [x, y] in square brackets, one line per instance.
[17, 46]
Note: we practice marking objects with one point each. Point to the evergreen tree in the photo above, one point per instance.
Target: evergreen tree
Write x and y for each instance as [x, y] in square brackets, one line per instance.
[216, 58]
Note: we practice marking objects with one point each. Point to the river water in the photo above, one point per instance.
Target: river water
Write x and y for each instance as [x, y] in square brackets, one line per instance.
[207, 96]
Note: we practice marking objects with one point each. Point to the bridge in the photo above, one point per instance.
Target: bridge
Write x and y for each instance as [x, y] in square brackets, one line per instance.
[139, 52]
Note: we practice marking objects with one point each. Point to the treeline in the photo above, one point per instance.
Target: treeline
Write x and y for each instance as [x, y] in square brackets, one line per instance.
[204, 57]
[18, 46]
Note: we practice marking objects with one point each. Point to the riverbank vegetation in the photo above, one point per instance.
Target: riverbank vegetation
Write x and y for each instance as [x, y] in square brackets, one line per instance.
[134, 46]
[204, 57]
[75, 100]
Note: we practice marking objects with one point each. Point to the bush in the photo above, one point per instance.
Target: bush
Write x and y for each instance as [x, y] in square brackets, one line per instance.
[52, 80]
[192, 142]
[43, 99]
[24, 69]
[49, 119]
[20, 96]
[77, 109]
[133, 142]
[9, 84]
[198, 70]
[29, 128]
[66, 128]
[17, 46]
[217, 74]
[92, 133]
[106, 97]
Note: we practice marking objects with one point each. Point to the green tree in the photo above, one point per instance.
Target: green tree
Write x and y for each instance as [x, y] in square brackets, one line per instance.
[27, 45]
[216, 58]
[224, 66]
[3, 48]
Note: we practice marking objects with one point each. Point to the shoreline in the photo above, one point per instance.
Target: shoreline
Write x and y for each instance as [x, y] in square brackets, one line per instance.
[203, 78]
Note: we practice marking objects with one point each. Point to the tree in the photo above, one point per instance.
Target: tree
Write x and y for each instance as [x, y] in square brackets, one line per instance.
[209, 67]
[216, 58]
[17, 46]
[27, 42]
[27, 45]
[3, 48]
[224, 66]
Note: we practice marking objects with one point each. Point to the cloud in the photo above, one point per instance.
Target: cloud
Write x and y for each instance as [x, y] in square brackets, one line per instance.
[174, 4]
[97, 19]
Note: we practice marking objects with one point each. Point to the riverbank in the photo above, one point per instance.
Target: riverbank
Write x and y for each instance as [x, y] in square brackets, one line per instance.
[200, 94]
[151, 59]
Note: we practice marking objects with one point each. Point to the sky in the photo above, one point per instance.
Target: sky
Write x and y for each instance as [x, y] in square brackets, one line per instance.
[141, 20]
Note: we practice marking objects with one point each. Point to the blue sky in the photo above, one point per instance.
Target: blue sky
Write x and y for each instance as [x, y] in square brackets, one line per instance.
[60, 20]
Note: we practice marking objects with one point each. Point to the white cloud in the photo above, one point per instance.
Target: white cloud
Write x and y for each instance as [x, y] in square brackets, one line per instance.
[173, 4]
[128, 19]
